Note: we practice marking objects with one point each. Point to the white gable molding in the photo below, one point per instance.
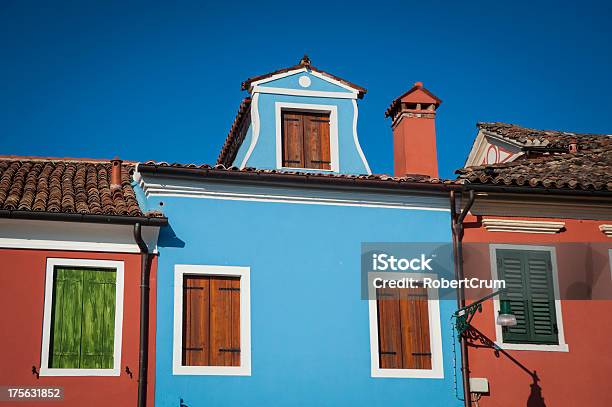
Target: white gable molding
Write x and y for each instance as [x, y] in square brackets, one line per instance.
[332, 80]
[299, 70]
[302, 92]
[277, 76]
[522, 226]
[255, 125]
[356, 139]
[483, 140]
[606, 229]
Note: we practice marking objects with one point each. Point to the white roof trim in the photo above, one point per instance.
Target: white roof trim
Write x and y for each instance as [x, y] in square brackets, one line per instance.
[313, 73]
[277, 76]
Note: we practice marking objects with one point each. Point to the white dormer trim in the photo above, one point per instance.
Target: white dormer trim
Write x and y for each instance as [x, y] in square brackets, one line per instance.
[333, 131]
[255, 126]
[255, 86]
[606, 230]
[302, 92]
[277, 76]
[334, 81]
[522, 226]
[356, 139]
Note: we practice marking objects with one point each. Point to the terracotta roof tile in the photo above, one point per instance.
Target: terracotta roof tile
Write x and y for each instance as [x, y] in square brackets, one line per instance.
[383, 178]
[542, 138]
[67, 186]
[589, 168]
[235, 137]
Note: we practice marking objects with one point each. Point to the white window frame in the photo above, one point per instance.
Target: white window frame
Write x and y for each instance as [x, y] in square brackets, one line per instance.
[435, 332]
[562, 346]
[52, 263]
[333, 132]
[180, 271]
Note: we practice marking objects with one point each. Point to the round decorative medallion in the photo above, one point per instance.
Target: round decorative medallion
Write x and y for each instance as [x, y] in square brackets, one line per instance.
[304, 81]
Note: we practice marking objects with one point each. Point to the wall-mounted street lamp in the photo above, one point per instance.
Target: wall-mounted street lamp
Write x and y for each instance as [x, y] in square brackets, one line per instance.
[465, 314]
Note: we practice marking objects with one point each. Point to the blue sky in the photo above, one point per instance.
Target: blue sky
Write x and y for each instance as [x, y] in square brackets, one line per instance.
[146, 80]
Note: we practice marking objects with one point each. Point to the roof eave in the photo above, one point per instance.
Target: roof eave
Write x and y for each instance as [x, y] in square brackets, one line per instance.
[85, 218]
[279, 178]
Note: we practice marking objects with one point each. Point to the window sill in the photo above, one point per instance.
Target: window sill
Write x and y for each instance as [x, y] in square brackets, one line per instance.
[562, 347]
[211, 370]
[78, 372]
[408, 373]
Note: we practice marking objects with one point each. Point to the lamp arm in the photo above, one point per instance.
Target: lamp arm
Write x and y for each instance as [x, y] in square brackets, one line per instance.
[465, 314]
[476, 303]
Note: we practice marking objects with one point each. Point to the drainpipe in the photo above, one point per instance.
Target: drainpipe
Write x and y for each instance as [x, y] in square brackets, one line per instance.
[457, 231]
[143, 358]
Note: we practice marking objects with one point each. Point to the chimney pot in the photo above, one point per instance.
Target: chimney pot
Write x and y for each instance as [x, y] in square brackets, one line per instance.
[573, 146]
[418, 84]
[116, 173]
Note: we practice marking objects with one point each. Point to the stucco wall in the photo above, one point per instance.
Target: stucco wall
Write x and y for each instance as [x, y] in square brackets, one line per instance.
[310, 329]
[579, 377]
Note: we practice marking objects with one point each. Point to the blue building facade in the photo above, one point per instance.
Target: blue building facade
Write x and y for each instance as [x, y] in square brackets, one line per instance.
[259, 292]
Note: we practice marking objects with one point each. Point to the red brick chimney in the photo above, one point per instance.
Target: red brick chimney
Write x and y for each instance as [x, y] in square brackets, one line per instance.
[413, 118]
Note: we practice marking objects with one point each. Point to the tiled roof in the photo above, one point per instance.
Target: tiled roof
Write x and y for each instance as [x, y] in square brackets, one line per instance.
[542, 138]
[66, 186]
[589, 168]
[304, 63]
[235, 137]
[381, 180]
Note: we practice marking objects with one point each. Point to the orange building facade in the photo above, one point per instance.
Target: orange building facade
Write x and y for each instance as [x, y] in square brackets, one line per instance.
[74, 269]
[542, 223]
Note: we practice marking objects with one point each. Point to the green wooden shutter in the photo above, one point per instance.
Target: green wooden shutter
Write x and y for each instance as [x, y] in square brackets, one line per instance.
[543, 315]
[529, 288]
[67, 310]
[83, 325]
[98, 326]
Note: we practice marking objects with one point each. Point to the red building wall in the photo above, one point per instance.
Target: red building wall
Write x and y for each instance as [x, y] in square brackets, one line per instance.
[580, 377]
[22, 288]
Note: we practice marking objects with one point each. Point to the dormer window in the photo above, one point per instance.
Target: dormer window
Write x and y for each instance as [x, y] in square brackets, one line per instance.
[306, 139]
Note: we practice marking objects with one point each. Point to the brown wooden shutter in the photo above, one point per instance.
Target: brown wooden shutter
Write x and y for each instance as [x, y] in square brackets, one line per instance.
[414, 318]
[196, 325]
[293, 140]
[316, 141]
[211, 321]
[225, 321]
[403, 328]
[306, 140]
[389, 329]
